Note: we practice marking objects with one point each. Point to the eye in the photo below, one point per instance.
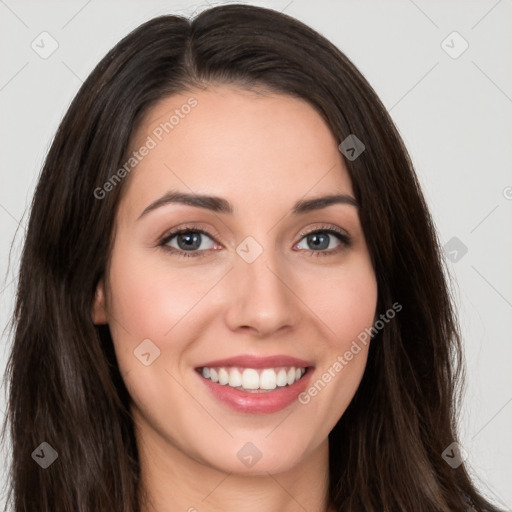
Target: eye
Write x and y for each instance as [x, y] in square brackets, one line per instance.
[188, 242]
[324, 242]
[192, 241]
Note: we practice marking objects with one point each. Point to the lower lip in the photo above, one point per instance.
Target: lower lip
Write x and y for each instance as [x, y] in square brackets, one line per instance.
[258, 403]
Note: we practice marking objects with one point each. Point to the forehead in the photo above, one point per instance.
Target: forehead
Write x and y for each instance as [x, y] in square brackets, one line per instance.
[248, 146]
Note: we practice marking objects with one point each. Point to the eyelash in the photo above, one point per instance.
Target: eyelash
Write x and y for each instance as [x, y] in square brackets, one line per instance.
[342, 237]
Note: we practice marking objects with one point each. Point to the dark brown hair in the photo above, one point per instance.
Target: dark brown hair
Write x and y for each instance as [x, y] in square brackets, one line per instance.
[65, 385]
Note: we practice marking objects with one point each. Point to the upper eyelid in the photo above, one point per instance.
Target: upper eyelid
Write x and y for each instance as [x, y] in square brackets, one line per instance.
[185, 229]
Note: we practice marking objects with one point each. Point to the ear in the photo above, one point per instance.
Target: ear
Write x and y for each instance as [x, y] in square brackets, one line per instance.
[99, 310]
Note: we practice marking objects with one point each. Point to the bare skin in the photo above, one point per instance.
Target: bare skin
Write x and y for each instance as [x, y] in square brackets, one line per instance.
[262, 152]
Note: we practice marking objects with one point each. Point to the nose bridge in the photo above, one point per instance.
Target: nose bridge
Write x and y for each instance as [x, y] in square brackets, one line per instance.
[262, 298]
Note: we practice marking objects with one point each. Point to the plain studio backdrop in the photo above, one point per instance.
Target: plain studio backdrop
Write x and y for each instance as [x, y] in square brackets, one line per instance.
[444, 72]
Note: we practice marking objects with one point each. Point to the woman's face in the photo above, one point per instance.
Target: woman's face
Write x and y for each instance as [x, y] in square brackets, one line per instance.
[254, 298]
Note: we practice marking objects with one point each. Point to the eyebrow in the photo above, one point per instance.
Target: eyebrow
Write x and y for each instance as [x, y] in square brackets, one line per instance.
[220, 205]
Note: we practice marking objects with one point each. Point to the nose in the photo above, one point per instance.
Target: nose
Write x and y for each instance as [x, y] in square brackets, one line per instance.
[261, 296]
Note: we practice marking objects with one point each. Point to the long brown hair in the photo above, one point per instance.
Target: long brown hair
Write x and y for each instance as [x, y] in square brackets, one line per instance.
[65, 385]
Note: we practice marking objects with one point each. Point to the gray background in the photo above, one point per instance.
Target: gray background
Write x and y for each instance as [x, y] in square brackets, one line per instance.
[453, 113]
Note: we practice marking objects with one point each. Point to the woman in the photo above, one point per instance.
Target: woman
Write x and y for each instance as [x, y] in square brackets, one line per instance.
[231, 293]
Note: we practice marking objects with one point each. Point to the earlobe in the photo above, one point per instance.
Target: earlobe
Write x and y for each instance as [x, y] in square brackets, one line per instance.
[99, 310]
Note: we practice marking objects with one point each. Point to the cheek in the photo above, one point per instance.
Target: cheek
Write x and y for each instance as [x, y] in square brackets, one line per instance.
[150, 296]
[151, 301]
[344, 300]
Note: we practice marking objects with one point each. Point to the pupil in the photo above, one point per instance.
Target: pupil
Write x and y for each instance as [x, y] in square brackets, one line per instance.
[316, 241]
[189, 241]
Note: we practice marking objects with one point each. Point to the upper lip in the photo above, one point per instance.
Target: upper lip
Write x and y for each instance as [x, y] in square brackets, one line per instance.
[249, 361]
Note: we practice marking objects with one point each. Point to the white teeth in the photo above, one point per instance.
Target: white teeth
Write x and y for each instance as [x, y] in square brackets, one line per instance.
[268, 379]
[252, 379]
[235, 378]
[223, 376]
[282, 378]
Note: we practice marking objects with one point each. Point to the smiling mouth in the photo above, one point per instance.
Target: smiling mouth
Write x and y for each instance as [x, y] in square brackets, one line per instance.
[252, 380]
